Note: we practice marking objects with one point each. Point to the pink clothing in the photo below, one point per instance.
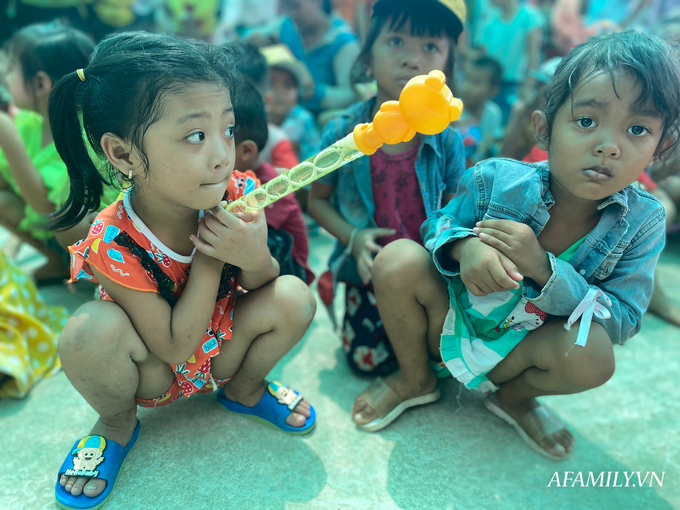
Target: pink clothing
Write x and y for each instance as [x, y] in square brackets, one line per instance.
[396, 193]
[286, 214]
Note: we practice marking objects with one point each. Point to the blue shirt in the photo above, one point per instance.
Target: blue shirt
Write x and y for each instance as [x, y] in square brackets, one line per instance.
[618, 256]
[439, 166]
[319, 57]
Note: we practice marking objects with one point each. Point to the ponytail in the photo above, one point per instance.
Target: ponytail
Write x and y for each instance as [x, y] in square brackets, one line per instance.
[87, 184]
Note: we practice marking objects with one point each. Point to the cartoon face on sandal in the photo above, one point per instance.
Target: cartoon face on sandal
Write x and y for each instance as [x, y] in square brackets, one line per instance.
[89, 453]
[283, 395]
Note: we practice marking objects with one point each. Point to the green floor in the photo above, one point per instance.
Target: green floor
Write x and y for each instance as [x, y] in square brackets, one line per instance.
[452, 454]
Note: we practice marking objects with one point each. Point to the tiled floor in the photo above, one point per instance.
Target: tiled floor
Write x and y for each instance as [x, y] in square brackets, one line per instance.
[453, 454]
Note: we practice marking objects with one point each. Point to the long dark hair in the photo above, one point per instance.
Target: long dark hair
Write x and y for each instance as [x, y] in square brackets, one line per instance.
[56, 48]
[125, 85]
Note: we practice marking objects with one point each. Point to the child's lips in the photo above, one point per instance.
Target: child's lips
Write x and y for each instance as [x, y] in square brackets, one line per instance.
[598, 173]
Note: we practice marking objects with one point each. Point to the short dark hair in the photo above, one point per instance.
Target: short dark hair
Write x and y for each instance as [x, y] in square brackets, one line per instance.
[251, 62]
[56, 48]
[250, 113]
[123, 92]
[493, 67]
[650, 60]
[327, 6]
[427, 17]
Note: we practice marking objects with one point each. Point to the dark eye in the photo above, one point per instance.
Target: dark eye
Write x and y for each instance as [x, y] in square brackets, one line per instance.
[395, 41]
[230, 132]
[196, 137]
[638, 130]
[431, 48]
[585, 122]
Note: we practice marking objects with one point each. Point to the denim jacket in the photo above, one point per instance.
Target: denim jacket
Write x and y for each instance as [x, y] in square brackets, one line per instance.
[616, 261]
[439, 166]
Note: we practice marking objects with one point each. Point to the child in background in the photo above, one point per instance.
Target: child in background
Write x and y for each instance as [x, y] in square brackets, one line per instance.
[521, 242]
[481, 123]
[33, 178]
[279, 151]
[512, 36]
[287, 234]
[388, 195]
[288, 76]
[169, 258]
[325, 43]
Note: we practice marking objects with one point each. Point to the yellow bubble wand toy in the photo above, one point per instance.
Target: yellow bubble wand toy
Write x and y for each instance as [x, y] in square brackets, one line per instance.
[426, 106]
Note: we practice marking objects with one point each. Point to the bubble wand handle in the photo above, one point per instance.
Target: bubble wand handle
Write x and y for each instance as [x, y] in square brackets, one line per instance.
[426, 106]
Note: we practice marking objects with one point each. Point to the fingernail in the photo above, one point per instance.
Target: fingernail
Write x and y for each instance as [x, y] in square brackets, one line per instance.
[478, 223]
[91, 486]
[475, 230]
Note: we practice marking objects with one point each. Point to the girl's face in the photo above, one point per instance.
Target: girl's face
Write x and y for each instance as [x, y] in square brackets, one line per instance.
[606, 142]
[396, 57]
[191, 149]
[283, 94]
[17, 87]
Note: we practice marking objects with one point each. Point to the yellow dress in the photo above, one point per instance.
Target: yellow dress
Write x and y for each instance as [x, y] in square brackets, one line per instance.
[29, 330]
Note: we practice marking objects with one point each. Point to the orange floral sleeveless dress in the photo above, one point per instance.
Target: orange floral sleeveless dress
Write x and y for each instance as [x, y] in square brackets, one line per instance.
[123, 249]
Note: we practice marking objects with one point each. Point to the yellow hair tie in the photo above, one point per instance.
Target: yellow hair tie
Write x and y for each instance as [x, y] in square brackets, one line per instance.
[81, 74]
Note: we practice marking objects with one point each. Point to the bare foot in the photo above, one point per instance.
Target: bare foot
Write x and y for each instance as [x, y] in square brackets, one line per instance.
[559, 443]
[92, 487]
[296, 418]
[406, 389]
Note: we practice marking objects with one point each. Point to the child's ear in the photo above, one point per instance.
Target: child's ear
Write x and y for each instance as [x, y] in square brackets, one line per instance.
[663, 146]
[540, 123]
[118, 152]
[42, 84]
[247, 152]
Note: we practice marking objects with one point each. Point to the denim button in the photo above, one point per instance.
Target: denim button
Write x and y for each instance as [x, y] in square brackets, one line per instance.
[582, 271]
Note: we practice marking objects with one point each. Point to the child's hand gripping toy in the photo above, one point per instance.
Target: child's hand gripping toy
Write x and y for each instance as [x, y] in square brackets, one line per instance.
[426, 106]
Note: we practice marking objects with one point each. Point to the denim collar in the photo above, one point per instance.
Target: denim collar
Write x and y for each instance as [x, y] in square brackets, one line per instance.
[361, 113]
[620, 197]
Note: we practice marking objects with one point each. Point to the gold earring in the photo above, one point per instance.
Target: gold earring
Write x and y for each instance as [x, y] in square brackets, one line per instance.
[130, 175]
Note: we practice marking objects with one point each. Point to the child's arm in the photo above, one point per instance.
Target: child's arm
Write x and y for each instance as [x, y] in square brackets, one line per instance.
[447, 235]
[628, 285]
[454, 165]
[25, 174]
[74, 234]
[364, 244]
[172, 334]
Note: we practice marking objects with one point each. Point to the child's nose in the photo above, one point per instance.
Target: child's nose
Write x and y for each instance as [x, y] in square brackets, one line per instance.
[608, 150]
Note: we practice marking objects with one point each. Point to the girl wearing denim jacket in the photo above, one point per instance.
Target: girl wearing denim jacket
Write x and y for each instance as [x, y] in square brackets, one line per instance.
[525, 248]
[375, 200]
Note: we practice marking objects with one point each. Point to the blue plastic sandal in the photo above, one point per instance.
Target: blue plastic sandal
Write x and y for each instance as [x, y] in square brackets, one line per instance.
[273, 408]
[93, 457]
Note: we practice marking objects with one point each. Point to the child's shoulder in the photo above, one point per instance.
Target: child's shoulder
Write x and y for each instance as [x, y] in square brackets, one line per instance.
[344, 123]
[641, 204]
[500, 171]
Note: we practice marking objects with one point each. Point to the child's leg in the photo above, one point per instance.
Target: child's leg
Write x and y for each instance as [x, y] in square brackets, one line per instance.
[661, 304]
[538, 366]
[413, 303]
[268, 322]
[364, 340]
[108, 364]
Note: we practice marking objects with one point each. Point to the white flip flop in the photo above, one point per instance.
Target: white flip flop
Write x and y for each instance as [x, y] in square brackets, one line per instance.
[389, 405]
[541, 415]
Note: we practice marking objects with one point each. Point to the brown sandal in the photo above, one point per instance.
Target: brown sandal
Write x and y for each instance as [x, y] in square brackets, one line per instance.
[536, 419]
[389, 405]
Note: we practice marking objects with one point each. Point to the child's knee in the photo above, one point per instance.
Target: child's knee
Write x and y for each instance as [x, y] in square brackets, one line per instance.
[400, 263]
[596, 364]
[294, 299]
[95, 327]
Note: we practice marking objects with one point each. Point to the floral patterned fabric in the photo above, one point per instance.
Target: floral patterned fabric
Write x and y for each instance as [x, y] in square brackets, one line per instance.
[123, 249]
